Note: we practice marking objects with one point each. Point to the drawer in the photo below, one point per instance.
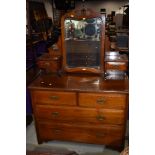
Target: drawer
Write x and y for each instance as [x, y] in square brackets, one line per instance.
[54, 98]
[89, 134]
[116, 66]
[76, 114]
[102, 100]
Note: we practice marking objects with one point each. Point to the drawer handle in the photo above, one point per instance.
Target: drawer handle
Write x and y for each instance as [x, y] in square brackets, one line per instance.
[101, 101]
[116, 66]
[54, 97]
[55, 114]
[100, 118]
[100, 135]
[57, 131]
[47, 63]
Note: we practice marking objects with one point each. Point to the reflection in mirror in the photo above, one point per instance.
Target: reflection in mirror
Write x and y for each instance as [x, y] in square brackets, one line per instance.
[82, 42]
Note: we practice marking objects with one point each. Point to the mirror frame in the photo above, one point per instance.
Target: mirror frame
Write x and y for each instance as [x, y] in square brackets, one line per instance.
[79, 15]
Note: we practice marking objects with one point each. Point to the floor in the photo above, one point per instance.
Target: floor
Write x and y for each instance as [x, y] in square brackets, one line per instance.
[80, 148]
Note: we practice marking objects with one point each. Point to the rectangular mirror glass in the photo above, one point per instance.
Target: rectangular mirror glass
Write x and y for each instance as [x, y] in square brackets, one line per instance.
[83, 42]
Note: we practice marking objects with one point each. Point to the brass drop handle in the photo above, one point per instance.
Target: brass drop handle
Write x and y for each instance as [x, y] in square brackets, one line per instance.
[100, 135]
[54, 97]
[101, 100]
[47, 63]
[116, 66]
[55, 114]
[100, 118]
[57, 131]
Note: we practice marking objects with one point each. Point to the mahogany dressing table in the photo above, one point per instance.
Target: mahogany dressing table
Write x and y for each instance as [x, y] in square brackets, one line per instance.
[79, 104]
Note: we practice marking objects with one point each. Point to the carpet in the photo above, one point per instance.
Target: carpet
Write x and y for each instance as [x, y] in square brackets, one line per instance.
[61, 150]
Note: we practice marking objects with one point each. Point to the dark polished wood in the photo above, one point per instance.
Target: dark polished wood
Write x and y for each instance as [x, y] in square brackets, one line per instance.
[80, 107]
[78, 103]
[49, 63]
[122, 66]
[78, 114]
[81, 133]
[102, 100]
[55, 98]
[79, 82]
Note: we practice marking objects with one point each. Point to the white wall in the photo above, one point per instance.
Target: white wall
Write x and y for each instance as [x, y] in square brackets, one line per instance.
[96, 5]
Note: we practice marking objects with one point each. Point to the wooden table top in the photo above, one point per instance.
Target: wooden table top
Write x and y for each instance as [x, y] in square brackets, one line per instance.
[81, 83]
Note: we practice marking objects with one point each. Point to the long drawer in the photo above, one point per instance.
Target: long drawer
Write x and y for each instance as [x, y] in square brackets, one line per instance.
[102, 100]
[55, 98]
[89, 134]
[76, 114]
